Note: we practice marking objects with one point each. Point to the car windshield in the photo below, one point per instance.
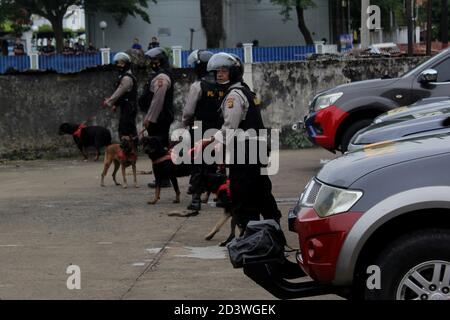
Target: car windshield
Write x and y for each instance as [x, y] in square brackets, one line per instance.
[431, 61]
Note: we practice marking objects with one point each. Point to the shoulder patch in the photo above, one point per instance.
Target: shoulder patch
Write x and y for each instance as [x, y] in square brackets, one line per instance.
[160, 83]
[230, 103]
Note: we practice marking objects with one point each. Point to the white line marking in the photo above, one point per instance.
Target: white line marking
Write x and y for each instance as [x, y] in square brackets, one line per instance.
[138, 264]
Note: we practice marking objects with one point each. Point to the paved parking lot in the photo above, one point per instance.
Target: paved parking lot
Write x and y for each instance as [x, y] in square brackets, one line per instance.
[54, 214]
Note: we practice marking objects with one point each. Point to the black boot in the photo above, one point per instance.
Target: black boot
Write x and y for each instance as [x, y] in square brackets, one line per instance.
[196, 204]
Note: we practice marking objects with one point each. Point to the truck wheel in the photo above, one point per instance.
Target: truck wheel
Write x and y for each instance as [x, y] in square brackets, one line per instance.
[414, 267]
[351, 131]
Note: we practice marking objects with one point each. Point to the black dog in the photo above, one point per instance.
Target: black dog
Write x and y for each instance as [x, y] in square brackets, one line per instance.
[84, 137]
[163, 167]
[217, 183]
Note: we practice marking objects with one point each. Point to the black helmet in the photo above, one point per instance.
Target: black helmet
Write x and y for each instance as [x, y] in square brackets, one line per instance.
[230, 61]
[158, 57]
[198, 60]
[122, 56]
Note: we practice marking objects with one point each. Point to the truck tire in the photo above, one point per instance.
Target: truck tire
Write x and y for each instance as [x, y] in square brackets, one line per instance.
[351, 131]
[416, 266]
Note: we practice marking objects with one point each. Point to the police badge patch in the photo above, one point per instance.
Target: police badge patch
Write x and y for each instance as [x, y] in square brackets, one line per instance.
[230, 103]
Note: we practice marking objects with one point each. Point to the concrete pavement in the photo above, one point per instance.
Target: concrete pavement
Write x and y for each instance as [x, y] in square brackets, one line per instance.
[54, 214]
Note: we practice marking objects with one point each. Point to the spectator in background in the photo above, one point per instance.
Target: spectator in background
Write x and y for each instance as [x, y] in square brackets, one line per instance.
[49, 49]
[91, 48]
[256, 43]
[4, 47]
[19, 49]
[239, 45]
[79, 47]
[136, 44]
[154, 43]
[68, 50]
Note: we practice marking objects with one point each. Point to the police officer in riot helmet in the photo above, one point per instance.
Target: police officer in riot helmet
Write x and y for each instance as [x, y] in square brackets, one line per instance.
[202, 108]
[160, 113]
[125, 96]
[251, 192]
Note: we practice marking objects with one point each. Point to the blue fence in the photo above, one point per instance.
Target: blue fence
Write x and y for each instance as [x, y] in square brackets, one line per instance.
[237, 51]
[263, 54]
[58, 63]
[19, 63]
[77, 63]
[293, 53]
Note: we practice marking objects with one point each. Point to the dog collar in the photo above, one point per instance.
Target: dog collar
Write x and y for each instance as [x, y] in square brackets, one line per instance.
[78, 132]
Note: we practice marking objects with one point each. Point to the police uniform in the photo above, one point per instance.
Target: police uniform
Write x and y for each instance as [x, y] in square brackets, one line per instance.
[203, 105]
[251, 192]
[125, 97]
[160, 115]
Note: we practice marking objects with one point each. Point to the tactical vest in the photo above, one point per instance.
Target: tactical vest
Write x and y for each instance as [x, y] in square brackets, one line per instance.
[253, 119]
[167, 114]
[208, 107]
[131, 96]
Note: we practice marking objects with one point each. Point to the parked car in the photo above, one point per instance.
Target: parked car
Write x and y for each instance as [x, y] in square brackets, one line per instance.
[373, 224]
[404, 123]
[337, 114]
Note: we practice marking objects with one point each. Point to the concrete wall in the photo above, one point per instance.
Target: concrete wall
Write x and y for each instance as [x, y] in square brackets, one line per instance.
[33, 106]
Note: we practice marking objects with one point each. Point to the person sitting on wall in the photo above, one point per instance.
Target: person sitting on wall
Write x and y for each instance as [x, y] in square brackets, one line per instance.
[79, 47]
[154, 43]
[19, 49]
[68, 50]
[49, 49]
[136, 44]
[91, 48]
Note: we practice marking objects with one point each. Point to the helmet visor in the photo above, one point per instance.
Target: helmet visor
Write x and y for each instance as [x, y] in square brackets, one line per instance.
[222, 60]
[193, 58]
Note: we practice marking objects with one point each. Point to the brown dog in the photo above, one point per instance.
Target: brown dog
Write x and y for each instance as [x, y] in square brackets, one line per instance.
[123, 155]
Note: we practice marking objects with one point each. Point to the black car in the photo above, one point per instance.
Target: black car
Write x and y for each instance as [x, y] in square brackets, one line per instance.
[406, 122]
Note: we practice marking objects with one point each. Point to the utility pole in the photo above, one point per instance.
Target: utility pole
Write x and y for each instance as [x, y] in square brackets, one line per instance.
[365, 35]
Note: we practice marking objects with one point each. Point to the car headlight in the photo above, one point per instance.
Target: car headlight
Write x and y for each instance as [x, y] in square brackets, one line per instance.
[331, 200]
[327, 100]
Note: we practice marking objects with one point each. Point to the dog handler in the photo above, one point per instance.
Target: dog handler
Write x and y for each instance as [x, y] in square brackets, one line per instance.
[202, 106]
[125, 96]
[160, 114]
[251, 192]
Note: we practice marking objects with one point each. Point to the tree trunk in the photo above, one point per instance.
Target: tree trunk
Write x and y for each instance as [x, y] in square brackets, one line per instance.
[444, 23]
[429, 26]
[410, 27]
[212, 21]
[302, 26]
[57, 24]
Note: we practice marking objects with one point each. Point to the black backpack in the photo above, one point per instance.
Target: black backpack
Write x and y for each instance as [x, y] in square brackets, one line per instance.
[146, 97]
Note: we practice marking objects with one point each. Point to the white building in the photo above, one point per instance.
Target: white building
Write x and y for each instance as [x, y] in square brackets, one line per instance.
[244, 21]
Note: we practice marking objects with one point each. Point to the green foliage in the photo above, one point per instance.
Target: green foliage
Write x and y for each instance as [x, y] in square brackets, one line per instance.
[120, 9]
[288, 5]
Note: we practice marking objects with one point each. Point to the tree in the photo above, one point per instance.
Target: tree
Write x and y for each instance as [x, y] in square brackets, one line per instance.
[54, 10]
[212, 21]
[300, 7]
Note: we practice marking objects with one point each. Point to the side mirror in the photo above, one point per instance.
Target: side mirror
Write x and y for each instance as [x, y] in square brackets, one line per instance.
[429, 75]
[297, 126]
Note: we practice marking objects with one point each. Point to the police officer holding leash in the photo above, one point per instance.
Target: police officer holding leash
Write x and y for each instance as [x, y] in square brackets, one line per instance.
[158, 99]
[125, 96]
[202, 106]
[251, 192]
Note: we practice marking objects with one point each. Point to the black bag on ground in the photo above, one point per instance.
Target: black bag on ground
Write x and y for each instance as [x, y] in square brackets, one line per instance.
[263, 242]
